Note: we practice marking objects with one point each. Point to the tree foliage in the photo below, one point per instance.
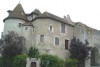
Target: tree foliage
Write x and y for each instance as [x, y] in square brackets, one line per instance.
[79, 50]
[1, 62]
[33, 52]
[12, 44]
[71, 63]
[51, 61]
[20, 60]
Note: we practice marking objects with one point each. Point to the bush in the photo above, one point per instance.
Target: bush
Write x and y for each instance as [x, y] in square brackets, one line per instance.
[51, 61]
[1, 62]
[71, 63]
[20, 61]
[33, 52]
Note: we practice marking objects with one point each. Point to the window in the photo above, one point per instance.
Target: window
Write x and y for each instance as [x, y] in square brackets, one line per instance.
[50, 28]
[56, 41]
[62, 28]
[41, 38]
[19, 24]
[26, 28]
[66, 44]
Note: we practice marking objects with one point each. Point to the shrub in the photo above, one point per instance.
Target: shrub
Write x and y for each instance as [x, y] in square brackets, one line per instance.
[51, 61]
[33, 52]
[71, 63]
[20, 61]
[1, 62]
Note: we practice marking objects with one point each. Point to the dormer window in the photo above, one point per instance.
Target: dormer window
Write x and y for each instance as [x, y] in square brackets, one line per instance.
[29, 17]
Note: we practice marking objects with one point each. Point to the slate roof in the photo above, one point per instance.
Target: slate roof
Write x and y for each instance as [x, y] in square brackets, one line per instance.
[54, 17]
[18, 12]
[36, 11]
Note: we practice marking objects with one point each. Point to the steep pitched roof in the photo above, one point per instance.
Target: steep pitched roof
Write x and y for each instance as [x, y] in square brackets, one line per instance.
[36, 11]
[18, 12]
[54, 17]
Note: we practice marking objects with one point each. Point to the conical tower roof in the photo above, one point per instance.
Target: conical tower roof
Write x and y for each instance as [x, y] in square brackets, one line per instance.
[18, 12]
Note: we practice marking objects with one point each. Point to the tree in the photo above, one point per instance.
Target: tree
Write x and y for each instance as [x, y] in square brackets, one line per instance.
[12, 44]
[33, 52]
[78, 50]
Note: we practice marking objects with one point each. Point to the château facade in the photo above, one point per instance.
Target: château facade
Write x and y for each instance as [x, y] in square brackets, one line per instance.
[50, 33]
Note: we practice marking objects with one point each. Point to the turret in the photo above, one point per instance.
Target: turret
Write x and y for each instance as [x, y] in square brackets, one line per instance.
[15, 20]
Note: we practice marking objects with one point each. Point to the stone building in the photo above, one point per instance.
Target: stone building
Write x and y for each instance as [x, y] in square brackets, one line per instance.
[49, 33]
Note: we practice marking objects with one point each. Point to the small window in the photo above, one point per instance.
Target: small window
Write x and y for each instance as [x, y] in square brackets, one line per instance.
[41, 38]
[62, 28]
[56, 41]
[50, 28]
[19, 25]
[26, 28]
[66, 44]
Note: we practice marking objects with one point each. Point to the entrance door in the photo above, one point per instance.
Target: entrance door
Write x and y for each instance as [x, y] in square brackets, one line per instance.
[33, 64]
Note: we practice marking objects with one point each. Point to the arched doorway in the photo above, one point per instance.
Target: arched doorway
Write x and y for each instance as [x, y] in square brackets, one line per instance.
[33, 64]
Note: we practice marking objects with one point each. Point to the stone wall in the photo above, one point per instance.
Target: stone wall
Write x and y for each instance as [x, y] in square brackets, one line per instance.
[48, 46]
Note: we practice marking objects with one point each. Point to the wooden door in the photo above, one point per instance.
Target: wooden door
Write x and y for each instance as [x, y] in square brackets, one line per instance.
[33, 64]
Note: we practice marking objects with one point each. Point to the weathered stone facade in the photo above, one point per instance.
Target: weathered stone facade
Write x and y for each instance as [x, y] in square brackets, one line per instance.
[49, 33]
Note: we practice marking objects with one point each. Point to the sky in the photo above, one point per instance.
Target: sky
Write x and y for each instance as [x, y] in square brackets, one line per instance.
[85, 11]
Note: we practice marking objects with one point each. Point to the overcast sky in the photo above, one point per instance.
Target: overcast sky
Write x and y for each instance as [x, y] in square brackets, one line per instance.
[85, 11]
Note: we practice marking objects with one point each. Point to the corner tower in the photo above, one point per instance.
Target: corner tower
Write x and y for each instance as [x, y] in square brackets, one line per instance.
[15, 20]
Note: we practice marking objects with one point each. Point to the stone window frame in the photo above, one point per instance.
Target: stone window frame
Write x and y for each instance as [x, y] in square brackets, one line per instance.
[26, 28]
[19, 24]
[68, 44]
[42, 36]
[52, 28]
[55, 41]
[63, 29]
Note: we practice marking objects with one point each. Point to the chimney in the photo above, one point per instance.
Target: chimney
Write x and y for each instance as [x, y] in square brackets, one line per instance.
[65, 17]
